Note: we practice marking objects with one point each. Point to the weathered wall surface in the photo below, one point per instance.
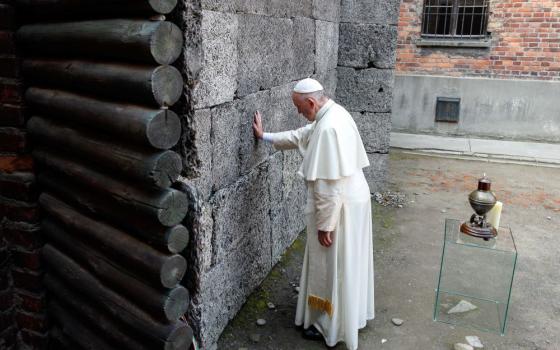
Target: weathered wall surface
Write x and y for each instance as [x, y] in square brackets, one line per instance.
[366, 64]
[242, 56]
[495, 108]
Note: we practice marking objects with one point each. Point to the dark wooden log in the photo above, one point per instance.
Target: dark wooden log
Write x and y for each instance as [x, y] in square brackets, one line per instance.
[120, 247]
[106, 209]
[166, 207]
[109, 329]
[145, 85]
[75, 329]
[50, 9]
[60, 341]
[159, 128]
[158, 169]
[117, 243]
[161, 305]
[173, 336]
[121, 39]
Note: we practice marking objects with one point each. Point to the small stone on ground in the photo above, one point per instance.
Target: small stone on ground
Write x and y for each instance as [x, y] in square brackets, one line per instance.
[271, 306]
[255, 338]
[296, 289]
[397, 321]
[474, 341]
[462, 306]
[461, 346]
[261, 322]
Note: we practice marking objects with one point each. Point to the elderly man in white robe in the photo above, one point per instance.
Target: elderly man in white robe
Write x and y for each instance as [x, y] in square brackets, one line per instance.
[336, 287]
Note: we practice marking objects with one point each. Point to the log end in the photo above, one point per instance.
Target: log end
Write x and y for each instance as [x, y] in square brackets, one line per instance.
[167, 85]
[180, 338]
[166, 43]
[177, 303]
[164, 129]
[177, 238]
[173, 270]
[163, 6]
[174, 208]
[167, 169]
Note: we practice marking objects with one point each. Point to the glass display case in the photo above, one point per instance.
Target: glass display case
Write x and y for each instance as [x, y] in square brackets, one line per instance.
[475, 279]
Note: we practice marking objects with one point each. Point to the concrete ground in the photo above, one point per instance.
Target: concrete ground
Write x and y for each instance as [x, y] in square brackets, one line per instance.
[407, 245]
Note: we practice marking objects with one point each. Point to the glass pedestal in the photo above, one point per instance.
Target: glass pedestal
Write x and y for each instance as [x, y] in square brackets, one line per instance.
[475, 279]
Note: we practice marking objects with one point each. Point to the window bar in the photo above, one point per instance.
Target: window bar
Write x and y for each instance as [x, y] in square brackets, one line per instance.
[463, 19]
[437, 15]
[454, 16]
[484, 21]
[426, 21]
[445, 31]
[471, 31]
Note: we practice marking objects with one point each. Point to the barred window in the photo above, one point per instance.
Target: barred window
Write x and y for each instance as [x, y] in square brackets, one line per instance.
[463, 19]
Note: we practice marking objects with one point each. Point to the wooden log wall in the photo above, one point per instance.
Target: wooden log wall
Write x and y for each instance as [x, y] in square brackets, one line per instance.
[99, 84]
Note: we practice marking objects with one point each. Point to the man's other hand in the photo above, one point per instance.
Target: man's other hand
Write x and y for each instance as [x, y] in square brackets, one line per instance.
[257, 125]
[325, 238]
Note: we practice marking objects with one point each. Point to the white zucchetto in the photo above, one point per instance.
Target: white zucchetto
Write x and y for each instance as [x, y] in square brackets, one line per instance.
[307, 86]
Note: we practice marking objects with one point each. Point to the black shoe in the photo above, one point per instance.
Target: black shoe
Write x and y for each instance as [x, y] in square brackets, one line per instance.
[312, 333]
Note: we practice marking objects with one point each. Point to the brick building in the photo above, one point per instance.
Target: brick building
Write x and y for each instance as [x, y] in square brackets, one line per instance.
[500, 58]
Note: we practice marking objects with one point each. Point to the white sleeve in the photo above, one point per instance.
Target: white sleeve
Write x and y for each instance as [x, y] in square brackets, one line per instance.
[288, 139]
[328, 203]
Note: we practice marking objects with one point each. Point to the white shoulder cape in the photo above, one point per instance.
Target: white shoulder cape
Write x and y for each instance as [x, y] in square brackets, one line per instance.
[335, 149]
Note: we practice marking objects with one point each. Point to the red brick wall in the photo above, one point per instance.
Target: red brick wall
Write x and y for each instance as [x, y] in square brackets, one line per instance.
[525, 43]
[22, 299]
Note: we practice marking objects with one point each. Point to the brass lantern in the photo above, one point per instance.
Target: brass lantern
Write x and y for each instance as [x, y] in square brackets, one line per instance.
[482, 201]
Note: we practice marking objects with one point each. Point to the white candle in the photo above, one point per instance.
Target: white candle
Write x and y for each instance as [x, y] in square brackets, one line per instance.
[493, 216]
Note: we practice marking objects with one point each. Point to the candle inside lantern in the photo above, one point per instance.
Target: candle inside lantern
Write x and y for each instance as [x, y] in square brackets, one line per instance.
[494, 215]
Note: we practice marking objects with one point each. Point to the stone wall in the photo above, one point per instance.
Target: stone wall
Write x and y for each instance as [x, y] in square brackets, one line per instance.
[366, 65]
[23, 321]
[242, 56]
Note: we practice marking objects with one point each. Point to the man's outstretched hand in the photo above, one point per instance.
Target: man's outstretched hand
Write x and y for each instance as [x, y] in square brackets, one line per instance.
[325, 238]
[257, 125]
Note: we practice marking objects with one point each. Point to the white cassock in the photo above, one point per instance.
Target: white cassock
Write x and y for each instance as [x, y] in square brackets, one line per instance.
[336, 287]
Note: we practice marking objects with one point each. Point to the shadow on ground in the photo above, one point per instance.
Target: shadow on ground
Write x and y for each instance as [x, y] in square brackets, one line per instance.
[407, 249]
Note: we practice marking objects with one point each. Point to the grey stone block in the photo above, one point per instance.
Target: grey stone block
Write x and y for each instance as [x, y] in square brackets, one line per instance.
[265, 53]
[204, 238]
[281, 114]
[375, 130]
[225, 145]
[326, 10]
[329, 80]
[241, 220]
[251, 151]
[366, 90]
[276, 8]
[370, 11]
[376, 173]
[303, 47]
[326, 46]
[367, 45]
[236, 6]
[203, 143]
[292, 8]
[287, 191]
[294, 198]
[218, 77]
